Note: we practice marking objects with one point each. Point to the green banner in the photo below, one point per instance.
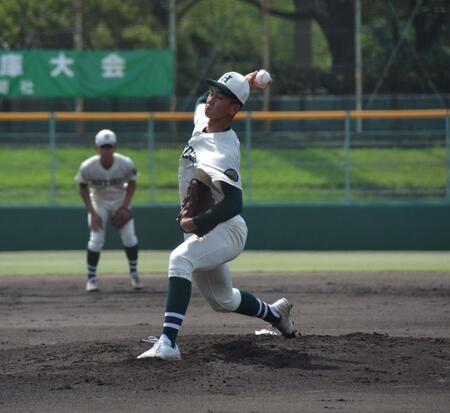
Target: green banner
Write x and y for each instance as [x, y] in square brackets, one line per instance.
[72, 73]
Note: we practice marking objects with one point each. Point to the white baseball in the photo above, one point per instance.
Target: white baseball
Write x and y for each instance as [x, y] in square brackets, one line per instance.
[263, 77]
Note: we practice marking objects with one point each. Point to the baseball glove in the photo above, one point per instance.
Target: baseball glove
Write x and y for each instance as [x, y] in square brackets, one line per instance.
[198, 200]
[121, 217]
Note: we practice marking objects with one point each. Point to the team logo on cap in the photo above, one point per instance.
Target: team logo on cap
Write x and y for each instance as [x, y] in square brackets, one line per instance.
[232, 174]
[225, 78]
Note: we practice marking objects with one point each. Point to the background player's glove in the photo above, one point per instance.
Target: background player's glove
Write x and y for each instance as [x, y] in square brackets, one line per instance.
[121, 217]
[198, 200]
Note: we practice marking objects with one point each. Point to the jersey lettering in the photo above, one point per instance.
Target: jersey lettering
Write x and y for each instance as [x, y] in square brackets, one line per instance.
[189, 154]
[107, 182]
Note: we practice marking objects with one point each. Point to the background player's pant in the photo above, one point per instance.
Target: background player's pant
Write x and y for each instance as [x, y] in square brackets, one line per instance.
[97, 238]
[204, 260]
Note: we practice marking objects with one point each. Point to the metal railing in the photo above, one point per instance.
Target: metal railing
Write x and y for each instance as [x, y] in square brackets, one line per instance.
[249, 119]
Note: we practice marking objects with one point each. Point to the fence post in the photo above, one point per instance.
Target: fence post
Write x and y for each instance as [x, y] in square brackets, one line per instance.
[347, 157]
[447, 155]
[151, 156]
[248, 146]
[52, 157]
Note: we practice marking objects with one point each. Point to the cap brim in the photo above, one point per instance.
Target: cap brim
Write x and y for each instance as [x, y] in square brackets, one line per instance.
[222, 89]
[105, 144]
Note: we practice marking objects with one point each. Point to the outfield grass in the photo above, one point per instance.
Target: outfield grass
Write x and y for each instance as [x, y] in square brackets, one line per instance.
[266, 262]
[281, 175]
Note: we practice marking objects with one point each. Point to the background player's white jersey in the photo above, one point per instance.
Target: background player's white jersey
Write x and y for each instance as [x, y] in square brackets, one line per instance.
[107, 184]
[210, 157]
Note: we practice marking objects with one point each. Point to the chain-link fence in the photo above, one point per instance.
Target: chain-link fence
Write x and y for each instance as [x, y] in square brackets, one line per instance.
[287, 157]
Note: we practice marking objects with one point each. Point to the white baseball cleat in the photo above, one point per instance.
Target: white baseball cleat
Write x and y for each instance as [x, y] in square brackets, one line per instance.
[136, 282]
[162, 349]
[91, 285]
[286, 325]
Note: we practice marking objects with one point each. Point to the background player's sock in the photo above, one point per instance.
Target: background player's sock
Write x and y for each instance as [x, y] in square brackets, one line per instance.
[178, 297]
[252, 306]
[132, 255]
[92, 262]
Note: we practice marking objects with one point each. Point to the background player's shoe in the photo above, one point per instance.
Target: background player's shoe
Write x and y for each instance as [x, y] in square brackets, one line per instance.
[162, 349]
[286, 324]
[91, 285]
[135, 282]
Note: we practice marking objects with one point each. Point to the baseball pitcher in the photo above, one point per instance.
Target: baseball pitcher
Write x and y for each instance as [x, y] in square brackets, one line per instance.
[107, 183]
[215, 231]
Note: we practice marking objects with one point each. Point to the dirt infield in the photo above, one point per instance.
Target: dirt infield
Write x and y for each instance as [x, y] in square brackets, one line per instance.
[370, 343]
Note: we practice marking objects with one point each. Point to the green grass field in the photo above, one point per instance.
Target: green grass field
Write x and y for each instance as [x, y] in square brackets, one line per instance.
[265, 262]
[280, 175]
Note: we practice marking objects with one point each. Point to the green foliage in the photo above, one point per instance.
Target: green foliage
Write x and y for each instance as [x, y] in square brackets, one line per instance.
[36, 24]
[208, 36]
[413, 69]
[321, 53]
[221, 35]
[106, 24]
[101, 36]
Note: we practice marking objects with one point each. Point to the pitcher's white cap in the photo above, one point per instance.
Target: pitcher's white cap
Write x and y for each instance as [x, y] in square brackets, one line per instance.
[105, 137]
[232, 84]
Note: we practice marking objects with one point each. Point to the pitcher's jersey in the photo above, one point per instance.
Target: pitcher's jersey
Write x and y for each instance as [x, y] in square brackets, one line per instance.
[107, 184]
[210, 157]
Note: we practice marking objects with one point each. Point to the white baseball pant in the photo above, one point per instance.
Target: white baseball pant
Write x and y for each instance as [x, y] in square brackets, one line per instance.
[97, 238]
[204, 260]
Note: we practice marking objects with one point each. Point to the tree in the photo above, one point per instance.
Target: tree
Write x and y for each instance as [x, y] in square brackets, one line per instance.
[219, 35]
[414, 58]
[336, 18]
[30, 24]
[47, 24]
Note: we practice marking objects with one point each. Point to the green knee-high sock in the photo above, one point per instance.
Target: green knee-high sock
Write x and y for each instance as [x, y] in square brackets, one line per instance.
[252, 306]
[178, 297]
[92, 258]
[132, 255]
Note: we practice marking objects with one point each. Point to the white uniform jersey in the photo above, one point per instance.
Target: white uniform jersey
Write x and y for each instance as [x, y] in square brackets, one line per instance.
[210, 157]
[107, 185]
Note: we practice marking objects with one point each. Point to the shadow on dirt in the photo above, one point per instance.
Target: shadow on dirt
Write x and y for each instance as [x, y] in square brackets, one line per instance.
[269, 352]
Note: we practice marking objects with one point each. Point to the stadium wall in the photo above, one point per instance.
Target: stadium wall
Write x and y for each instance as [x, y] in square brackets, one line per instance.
[271, 227]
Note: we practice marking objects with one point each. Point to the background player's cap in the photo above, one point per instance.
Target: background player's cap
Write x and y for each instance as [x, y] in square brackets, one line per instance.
[232, 84]
[105, 137]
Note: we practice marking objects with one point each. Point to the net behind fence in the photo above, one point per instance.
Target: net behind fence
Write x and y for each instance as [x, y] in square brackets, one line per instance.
[290, 159]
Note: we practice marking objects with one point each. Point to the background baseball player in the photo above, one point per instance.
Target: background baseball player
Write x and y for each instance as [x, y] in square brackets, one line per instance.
[107, 184]
[212, 156]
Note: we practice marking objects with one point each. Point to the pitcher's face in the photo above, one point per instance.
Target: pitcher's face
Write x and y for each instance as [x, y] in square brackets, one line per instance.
[220, 106]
